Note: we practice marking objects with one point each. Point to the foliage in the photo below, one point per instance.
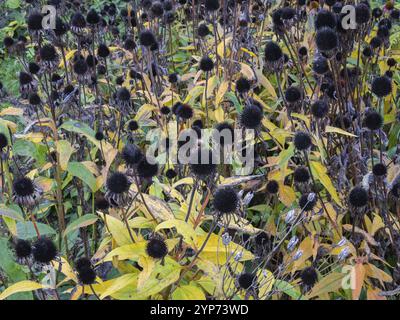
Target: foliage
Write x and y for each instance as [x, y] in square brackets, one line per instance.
[75, 140]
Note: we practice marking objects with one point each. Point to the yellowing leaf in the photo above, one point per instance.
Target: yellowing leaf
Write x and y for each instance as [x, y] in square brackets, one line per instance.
[367, 236]
[221, 91]
[65, 268]
[221, 47]
[193, 94]
[130, 251]
[141, 223]
[11, 111]
[81, 222]
[286, 194]
[118, 230]
[148, 265]
[159, 208]
[265, 280]
[120, 283]
[65, 151]
[307, 247]
[374, 272]
[263, 80]
[330, 283]
[135, 250]
[188, 292]
[182, 227]
[68, 57]
[359, 280]
[22, 286]
[145, 111]
[216, 252]
[319, 171]
[241, 224]
[249, 52]
[330, 129]
[219, 114]
[247, 71]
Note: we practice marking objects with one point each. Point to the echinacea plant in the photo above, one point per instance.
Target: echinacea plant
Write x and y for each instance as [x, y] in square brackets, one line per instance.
[219, 150]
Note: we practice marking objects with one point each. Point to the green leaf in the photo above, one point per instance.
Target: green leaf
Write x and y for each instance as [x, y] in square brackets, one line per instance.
[13, 4]
[26, 230]
[81, 128]
[13, 271]
[288, 289]
[27, 148]
[80, 171]
[232, 98]
[11, 213]
[285, 155]
[81, 222]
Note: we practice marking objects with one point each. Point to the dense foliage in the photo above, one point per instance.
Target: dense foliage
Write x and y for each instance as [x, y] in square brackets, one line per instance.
[86, 213]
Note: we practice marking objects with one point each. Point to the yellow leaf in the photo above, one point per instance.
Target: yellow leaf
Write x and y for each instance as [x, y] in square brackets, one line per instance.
[135, 250]
[118, 230]
[241, 224]
[331, 211]
[221, 92]
[207, 284]
[193, 94]
[130, 251]
[249, 52]
[330, 129]
[11, 111]
[215, 251]
[359, 280]
[141, 223]
[188, 292]
[154, 285]
[65, 151]
[220, 47]
[236, 180]
[330, 283]
[377, 224]
[120, 283]
[65, 268]
[211, 85]
[265, 280]
[45, 183]
[368, 237]
[286, 194]
[148, 265]
[68, 57]
[159, 208]
[35, 137]
[145, 111]
[373, 294]
[182, 227]
[301, 117]
[22, 286]
[188, 48]
[319, 171]
[247, 71]
[187, 180]
[307, 247]
[374, 272]
[266, 83]
[219, 114]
